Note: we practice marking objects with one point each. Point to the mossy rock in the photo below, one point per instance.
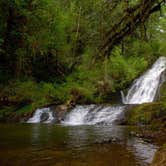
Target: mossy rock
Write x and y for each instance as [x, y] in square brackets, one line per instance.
[147, 114]
[15, 114]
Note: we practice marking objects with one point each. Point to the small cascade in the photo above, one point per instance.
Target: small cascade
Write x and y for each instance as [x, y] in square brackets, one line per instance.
[144, 88]
[93, 114]
[43, 115]
[77, 115]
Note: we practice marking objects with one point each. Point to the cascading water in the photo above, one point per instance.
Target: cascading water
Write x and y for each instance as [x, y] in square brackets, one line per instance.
[93, 114]
[144, 88]
[78, 115]
[42, 115]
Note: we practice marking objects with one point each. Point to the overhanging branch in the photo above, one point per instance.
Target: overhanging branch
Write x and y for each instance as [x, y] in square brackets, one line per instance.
[133, 17]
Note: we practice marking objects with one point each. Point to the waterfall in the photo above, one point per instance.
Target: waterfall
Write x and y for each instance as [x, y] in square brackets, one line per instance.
[144, 88]
[93, 114]
[42, 115]
[78, 115]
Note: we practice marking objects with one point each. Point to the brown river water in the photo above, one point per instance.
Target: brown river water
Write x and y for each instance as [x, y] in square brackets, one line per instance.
[57, 145]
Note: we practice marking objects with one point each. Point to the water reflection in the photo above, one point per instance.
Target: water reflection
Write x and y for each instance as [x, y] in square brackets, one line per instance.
[143, 150]
[72, 145]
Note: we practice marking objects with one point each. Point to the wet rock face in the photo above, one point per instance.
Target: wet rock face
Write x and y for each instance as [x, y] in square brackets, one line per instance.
[161, 93]
[44, 117]
[124, 118]
[161, 87]
[163, 77]
[59, 112]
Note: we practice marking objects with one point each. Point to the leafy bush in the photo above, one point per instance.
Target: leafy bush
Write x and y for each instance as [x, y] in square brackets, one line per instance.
[30, 92]
[123, 69]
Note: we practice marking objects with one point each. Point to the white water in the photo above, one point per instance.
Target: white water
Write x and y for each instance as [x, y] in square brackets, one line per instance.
[78, 115]
[144, 88]
[38, 114]
[93, 114]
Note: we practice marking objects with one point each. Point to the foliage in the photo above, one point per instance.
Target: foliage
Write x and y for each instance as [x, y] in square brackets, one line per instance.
[124, 69]
[47, 50]
[150, 113]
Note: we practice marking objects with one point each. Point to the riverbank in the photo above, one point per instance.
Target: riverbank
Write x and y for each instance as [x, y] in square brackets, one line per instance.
[151, 118]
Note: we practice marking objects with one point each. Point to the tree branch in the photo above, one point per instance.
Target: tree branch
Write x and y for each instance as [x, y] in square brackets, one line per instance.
[133, 17]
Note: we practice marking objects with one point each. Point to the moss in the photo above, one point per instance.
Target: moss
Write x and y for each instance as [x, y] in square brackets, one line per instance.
[5, 112]
[14, 113]
[26, 109]
[147, 114]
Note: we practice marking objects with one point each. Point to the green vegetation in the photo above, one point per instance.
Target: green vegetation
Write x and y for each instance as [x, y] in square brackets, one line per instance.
[51, 50]
[153, 114]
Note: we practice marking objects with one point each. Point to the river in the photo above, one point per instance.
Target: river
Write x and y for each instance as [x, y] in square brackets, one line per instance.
[84, 145]
[86, 136]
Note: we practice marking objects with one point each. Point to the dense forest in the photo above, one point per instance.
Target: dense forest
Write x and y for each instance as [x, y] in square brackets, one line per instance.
[66, 63]
[79, 51]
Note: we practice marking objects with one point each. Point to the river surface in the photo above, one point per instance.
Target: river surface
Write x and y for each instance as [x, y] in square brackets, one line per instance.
[58, 145]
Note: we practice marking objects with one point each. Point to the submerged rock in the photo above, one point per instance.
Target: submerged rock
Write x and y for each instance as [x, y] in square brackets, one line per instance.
[108, 141]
